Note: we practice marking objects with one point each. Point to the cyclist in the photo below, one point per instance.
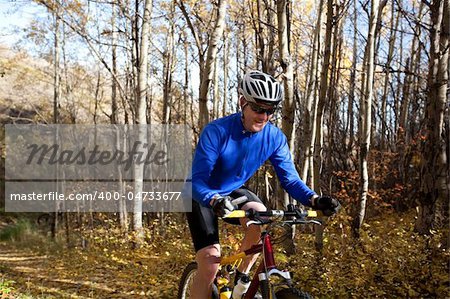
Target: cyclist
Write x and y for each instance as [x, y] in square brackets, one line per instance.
[230, 150]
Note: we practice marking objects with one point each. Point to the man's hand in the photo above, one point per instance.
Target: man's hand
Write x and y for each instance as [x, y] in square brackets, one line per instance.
[222, 206]
[326, 204]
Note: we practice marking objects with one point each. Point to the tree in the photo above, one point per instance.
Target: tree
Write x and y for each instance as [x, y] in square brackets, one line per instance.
[324, 78]
[56, 101]
[211, 56]
[351, 96]
[288, 76]
[168, 66]
[141, 118]
[312, 99]
[366, 116]
[392, 37]
[434, 174]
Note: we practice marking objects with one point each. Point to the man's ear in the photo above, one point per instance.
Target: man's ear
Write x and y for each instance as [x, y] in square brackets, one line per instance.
[241, 102]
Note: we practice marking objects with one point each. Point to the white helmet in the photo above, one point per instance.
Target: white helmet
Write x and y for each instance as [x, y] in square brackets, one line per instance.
[258, 87]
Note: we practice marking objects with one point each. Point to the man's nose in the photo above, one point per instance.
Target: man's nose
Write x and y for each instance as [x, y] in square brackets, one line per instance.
[263, 116]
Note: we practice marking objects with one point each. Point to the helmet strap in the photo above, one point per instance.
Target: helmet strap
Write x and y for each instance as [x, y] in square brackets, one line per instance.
[243, 103]
[242, 111]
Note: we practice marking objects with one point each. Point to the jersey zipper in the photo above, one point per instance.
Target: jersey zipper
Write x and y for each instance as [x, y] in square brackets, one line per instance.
[244, 161]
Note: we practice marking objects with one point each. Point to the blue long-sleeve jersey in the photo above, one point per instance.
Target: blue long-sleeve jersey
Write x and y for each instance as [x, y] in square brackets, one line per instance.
[227, 156]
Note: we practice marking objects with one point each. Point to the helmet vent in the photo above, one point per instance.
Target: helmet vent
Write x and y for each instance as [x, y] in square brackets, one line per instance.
[259, 77]
[263, 89]
[255, 88]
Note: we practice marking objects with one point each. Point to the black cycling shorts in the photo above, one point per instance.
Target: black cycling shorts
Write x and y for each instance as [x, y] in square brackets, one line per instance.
[203, 222]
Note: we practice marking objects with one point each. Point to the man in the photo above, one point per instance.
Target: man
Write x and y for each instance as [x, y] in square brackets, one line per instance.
[230, 150]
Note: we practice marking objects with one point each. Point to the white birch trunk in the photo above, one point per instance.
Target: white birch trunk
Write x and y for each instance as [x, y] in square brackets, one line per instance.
[207, 76]
[141, 119]
[366, 115]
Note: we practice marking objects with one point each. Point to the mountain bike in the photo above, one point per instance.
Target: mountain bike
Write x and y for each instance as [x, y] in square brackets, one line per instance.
[271, 282]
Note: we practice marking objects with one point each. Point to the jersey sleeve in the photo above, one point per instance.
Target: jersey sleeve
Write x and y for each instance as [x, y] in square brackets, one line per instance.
[205, 157]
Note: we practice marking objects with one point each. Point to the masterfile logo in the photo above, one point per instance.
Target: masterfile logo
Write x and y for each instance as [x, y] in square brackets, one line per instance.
[102, 163]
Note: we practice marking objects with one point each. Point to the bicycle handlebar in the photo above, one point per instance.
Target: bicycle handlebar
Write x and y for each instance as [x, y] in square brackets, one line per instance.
[293, 214]
[298, 215]
[251, 214]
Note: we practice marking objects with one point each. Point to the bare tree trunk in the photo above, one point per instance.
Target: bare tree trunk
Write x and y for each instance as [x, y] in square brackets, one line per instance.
[409, 77]
[56, 100]
[56, 70]
[186, 77]
[392, 38]
[399, 86]
[351, 97]
[141, 119]
[268, 59]
[123, 221]
[113, 117]
[288, 124]
[238, 60]
[403, 134]
[374, 108]
[258, 33]
[207, 76]
[323, 96]
[312, 100]
[168, 55]
[225, 74]
[216, 96]
[434, 176]
[333, 97]
[366, 117]
[264, 35]
[321, 102]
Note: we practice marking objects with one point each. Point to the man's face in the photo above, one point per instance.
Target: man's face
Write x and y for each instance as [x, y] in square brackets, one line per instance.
[255, 115]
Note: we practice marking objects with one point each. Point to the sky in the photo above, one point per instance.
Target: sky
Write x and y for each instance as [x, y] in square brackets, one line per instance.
[15, 16]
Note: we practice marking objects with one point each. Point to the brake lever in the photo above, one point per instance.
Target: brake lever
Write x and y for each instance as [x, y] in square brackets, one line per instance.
[296, 221]
[253, 222]
[258, 221]
[305, 222]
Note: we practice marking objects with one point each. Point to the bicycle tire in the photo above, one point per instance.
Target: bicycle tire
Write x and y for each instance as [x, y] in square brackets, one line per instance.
[292, 293]
[186, 281]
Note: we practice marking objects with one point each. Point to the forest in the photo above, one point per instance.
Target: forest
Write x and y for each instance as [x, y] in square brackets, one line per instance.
[366, 113]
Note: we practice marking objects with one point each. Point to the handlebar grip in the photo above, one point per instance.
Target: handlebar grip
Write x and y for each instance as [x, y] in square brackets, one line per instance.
[236, 214]
[315, 213]
[312, 213]
[243, 214]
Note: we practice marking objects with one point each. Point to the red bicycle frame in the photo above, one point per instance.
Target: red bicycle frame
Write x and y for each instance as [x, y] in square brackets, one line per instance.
[267, 263]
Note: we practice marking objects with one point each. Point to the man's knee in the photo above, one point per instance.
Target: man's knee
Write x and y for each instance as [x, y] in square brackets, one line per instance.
[257, 206]
[208, 260]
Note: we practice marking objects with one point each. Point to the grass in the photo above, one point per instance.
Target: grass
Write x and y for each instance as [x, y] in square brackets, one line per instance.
[16, 231]
[6, 288]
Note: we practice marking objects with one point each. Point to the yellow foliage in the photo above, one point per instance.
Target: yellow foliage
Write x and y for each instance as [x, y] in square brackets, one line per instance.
[389, 261]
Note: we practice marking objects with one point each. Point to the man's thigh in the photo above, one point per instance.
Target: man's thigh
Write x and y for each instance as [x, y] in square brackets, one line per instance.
[203, 225]
[252, 202]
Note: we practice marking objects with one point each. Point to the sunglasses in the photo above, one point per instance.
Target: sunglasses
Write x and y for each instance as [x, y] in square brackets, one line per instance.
[260, 110]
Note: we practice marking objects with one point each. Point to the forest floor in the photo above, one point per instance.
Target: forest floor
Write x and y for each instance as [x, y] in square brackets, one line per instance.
[35, 267]
[389, 261]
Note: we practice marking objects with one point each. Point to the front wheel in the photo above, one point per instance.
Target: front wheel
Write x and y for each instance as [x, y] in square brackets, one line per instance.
[292, 293]
[185, 286]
